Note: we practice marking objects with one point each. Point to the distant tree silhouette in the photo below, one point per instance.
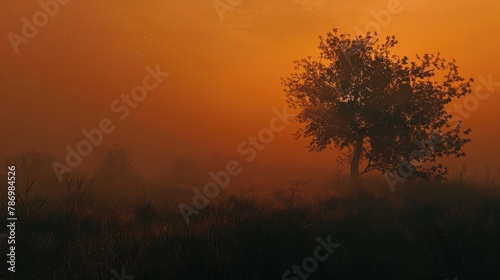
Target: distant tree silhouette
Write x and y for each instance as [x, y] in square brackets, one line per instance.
[378, 108]
[31, 165]
[117, 169]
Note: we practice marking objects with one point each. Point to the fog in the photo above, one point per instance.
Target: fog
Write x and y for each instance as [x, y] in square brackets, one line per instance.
[223, 82]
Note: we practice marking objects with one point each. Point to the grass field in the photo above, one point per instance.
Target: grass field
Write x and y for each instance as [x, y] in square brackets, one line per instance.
[259, 230]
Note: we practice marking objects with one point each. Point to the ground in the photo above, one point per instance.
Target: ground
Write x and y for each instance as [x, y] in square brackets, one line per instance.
[260, 230]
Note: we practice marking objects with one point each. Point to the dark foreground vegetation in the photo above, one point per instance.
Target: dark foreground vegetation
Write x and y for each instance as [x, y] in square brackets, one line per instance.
[259, 230]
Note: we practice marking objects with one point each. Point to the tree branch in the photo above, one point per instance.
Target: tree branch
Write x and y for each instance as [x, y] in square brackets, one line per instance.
[368, 168]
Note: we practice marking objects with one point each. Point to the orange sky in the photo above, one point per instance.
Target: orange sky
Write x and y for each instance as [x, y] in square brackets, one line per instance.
[224, 74]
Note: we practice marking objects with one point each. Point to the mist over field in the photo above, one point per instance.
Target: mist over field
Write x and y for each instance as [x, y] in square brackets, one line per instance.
[236, 139]
[224, 75]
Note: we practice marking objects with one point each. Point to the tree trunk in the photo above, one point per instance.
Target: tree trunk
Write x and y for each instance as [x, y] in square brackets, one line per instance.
[355, 162]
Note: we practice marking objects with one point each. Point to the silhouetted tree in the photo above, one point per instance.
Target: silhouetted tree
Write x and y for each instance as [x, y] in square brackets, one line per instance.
[117, 169]
[31, 165]
[378, 107]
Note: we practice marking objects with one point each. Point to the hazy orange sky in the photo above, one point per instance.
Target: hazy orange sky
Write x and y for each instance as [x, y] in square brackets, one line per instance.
[224, 74]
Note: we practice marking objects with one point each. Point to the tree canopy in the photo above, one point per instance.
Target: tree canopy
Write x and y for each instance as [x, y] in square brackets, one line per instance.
[378, 107]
